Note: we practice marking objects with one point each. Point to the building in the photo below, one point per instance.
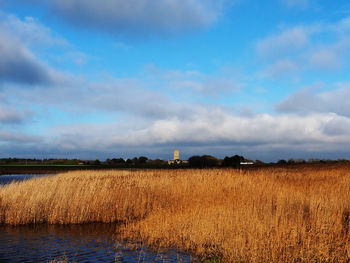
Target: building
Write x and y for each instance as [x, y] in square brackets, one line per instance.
[176, 159]
[247, 163]
[176, 155]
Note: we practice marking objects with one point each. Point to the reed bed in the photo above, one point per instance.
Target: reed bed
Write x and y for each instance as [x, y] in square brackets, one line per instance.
[299, 214]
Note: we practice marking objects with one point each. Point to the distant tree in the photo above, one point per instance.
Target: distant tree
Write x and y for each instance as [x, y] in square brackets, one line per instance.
[341, 160]
[142, 160]
[282, 162]
[195, 161]
[205, 161]
[157, 163]
[210, 161]
[233, 161]
[117, 161]
[314, 160]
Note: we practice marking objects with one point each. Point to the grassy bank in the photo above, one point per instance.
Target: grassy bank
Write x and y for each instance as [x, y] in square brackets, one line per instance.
[266, 215]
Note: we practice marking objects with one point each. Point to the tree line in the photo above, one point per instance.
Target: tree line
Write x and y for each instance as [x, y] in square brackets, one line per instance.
[203, 161]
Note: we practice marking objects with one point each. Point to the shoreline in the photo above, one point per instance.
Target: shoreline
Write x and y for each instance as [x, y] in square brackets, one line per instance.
[56, 169]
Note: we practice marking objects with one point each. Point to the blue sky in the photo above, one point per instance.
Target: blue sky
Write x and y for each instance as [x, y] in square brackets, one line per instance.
[112, 78]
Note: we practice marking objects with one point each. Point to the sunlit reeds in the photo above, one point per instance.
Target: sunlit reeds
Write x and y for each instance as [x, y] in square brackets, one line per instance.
[299, 214]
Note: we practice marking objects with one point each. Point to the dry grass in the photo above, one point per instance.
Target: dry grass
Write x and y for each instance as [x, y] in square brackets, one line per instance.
[267, 215]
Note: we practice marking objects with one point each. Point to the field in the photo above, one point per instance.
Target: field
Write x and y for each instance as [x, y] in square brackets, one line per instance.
[286, 214]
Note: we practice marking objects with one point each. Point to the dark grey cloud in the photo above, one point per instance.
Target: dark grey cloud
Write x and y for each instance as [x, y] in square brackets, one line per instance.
[338, 126]
[308, 100]
[19, 65]
[138, 17]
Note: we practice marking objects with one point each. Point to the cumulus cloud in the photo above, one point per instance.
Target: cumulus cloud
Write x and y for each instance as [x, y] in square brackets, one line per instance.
[113, 96]
[29, 31]
[307, 101]
[138, 18]
[12, 116]
[195, 83]
[18, 64]
[215, 130]
[285, 42]
[279, 68]
[150, 95]
[325, 59]
[16, 139]
[338, 126]
[316, 47]
[220, 127]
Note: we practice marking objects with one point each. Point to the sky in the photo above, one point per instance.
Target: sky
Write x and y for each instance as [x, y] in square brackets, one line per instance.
[91, 79]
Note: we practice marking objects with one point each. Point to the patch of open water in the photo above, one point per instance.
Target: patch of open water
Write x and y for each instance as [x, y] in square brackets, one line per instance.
[74, 243]
[6, 179]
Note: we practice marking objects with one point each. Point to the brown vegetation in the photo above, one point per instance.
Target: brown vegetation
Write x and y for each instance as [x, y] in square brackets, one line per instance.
[298, 214]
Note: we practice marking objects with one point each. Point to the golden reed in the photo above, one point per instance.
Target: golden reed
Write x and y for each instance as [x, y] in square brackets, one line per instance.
[298, 214]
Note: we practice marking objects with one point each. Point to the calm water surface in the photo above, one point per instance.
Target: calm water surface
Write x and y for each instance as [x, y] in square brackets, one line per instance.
[75, 243]
[6, 179]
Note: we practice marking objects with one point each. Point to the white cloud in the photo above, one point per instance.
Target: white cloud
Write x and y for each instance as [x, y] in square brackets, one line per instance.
[325, 59]
[11, 115]
[195, 83]
[285, 42]
[29, 31]
[214, 129]
[315, 47]
[307, 101]
[16, 139]
[279, 68]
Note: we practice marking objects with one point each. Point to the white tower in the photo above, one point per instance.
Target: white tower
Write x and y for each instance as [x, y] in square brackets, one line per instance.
[176, 155]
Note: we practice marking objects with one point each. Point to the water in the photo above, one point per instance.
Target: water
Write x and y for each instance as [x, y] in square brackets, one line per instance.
[6, 179]
[73, 243]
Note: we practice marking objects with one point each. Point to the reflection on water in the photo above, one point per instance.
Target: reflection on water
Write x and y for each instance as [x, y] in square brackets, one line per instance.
[74, 243]
[6, 179]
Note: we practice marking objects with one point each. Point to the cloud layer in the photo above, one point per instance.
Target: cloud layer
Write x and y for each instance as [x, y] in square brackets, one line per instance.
[139, 18]
[214, 130]
[307, 101]
[304, 48]
[12, 116]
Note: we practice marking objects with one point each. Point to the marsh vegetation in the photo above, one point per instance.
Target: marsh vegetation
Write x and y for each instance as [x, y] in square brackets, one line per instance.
[295, 214]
